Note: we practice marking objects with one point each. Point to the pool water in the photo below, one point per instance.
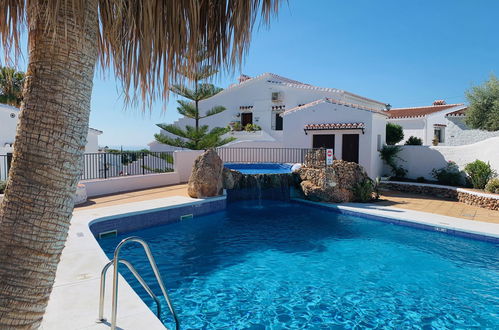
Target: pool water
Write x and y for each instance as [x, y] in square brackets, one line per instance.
[260, 168]
[288, 265]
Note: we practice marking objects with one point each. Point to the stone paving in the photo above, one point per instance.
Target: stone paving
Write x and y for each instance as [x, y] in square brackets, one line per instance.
[436, 205]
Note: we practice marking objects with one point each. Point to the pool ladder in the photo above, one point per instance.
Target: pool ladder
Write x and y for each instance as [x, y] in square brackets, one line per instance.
[115, 263]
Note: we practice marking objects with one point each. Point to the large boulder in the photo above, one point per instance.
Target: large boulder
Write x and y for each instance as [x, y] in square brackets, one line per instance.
[333, 183]
[206, 176]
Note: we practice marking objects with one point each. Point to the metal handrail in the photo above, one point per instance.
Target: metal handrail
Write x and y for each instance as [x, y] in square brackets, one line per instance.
[115, 262]
[139, 279]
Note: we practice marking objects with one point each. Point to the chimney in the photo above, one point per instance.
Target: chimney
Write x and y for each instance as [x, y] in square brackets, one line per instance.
[439, 102]
[243, 77]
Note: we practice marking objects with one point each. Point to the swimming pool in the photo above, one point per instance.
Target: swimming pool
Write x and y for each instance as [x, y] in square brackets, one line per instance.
[260, 168]
[278, 265]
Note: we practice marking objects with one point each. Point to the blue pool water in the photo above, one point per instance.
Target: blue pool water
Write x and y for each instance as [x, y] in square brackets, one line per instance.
[260, 168]
[284, 265]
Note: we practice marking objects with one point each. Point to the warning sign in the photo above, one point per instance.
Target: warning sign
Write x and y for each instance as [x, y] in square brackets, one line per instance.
[329, 156]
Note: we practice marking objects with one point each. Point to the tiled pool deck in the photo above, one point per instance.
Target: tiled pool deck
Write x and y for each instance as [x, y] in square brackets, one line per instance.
[74, 300]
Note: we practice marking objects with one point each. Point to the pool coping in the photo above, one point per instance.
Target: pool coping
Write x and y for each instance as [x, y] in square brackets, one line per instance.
[78, 273]
[480, 230]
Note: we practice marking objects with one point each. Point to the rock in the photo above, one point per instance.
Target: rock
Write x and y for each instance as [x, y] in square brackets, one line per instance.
[333, 183]
[231, 179]
[81, 194]
[206, 176]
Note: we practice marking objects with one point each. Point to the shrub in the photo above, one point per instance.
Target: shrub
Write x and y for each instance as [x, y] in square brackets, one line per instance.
[492, 186]
[449, 174]
[479, 173]
[363, 191]
[394, 133]
[414, 141]
[252, 128]
[237, 126]
[389, 154]
[2, 186]
[420, 179]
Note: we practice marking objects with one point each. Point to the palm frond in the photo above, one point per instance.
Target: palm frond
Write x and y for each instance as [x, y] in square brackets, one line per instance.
[148, 42]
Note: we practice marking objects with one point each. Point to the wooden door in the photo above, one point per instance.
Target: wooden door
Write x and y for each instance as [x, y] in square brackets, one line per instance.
[350, 148]
[323, 141]
[246, 118]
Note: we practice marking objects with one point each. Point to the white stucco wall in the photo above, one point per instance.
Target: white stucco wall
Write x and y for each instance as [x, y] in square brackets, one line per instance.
[8, 124]
[295, 137]
[9, 116]
[92, 141]
[421, 160]
[458, 133]
[412, 127]
[183, 162]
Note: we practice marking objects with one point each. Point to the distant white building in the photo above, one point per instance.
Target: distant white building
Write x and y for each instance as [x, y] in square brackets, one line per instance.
[425, 122]
[458, 133]
[446, 122]
[9, 117]
[293, 114]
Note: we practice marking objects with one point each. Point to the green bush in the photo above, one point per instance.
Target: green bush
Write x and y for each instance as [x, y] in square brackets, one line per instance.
[363, 191]
[448, 175]
[252, 128]
[492, 186]
[414, 141]
[479, 173]
[389, 154]
[2, 186]
[394, 133]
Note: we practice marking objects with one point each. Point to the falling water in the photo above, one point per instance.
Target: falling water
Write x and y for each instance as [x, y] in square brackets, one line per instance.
[259, 190]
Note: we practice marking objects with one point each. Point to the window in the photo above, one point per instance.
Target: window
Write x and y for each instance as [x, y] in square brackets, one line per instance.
[278, 122]
[439, 134]
[276, 96]
[380, 145]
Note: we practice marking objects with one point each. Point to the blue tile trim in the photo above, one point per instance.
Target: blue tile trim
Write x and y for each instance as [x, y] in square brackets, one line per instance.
[406, 223]
[135, 221]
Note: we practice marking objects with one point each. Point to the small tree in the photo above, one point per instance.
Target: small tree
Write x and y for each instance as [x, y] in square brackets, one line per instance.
[414, 141]
[479, 173]
[389, 154]
[11, 86]
[394, 133]
[197, 137]
[483, 110]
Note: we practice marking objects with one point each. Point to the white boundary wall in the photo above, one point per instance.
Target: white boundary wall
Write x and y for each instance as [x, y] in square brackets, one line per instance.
[182, 164]
[420, 160]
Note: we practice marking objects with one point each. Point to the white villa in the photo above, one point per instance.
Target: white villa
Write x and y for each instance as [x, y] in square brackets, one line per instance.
[440, 120]
[293, 114]
[8, 123]
[458, 133]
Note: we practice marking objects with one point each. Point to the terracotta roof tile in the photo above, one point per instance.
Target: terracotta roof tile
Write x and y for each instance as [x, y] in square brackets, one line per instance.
[419, 111]
[334, 126]
[458, 113]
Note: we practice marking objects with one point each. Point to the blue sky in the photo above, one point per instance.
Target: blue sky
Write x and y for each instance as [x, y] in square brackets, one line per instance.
[406, 53]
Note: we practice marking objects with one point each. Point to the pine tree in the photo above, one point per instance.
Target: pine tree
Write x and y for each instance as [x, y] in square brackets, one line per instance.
[200, 136]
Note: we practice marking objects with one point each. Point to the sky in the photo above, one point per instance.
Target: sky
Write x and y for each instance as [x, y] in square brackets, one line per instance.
[405, 53]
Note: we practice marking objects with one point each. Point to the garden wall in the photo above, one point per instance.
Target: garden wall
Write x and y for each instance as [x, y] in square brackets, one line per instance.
[420, 160]
[470, 197]
[182, 164]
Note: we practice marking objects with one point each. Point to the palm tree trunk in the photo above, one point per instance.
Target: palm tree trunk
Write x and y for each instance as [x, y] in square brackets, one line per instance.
[50, 141]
